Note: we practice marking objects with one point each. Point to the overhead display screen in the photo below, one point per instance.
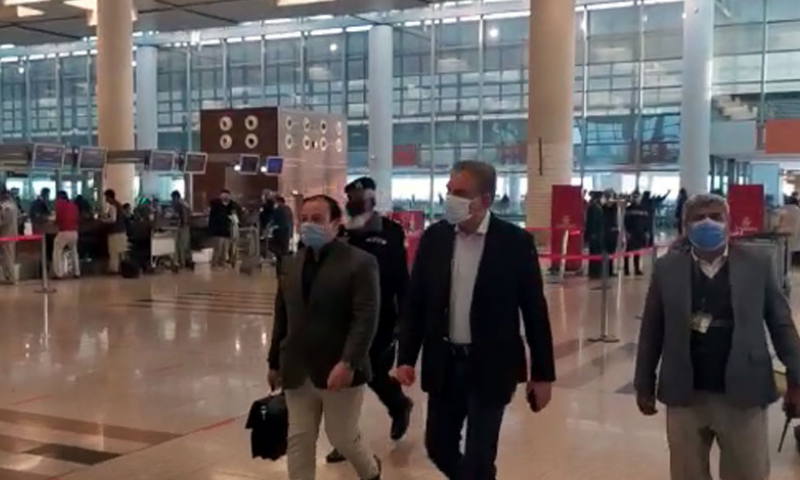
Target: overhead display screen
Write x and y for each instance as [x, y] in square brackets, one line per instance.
[248, 164]
[48, 156]
[92, 158]
[162, 161]
[195, 162]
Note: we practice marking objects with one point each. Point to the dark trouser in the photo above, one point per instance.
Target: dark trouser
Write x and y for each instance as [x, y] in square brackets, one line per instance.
[595, 248]
[610, 242]
[385, 386]
[635, 243]
[447, 412]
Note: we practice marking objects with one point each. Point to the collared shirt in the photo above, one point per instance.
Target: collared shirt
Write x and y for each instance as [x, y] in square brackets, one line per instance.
[467, 255]
[710, 269]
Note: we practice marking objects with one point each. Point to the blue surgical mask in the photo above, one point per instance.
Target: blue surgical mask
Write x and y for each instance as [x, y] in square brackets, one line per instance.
[707, 235]
[314, 235]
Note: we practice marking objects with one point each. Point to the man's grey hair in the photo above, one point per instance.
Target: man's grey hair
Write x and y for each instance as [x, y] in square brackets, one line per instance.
[701, 201]
[484, 173]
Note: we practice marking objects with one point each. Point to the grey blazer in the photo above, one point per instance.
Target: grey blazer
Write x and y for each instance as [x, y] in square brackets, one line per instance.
[337, 324]
[757, 300]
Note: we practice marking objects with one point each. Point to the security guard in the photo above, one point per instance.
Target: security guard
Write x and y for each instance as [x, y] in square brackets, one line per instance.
[385, 239]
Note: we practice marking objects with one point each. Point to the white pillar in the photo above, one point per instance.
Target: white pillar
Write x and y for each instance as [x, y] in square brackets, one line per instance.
[147, 110]
[379, 92]
[550, 83]
[115, 89]
[698, 55]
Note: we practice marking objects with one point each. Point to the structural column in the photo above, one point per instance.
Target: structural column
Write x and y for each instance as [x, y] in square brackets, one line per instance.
[379, 92]
[550, 82]
[698, 55]
[147, 110]
[115, 89]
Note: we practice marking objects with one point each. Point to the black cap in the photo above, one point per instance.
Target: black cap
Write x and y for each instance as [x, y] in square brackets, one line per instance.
[363, 183]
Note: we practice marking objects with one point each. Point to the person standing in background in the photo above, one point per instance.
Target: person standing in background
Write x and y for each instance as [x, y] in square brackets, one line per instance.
[21, 212]
[67, 217]
[183, 222]
[593, 233]
[384, 239]
[220, 228]
[326, 314]
[282, 230]
[475, 282]
[8, 228]
[682, 197]
[41, 216]
[115, 221]
[637, 228]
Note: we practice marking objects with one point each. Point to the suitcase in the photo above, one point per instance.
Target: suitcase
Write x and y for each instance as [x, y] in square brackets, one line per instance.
[129, 269]
[268, 423]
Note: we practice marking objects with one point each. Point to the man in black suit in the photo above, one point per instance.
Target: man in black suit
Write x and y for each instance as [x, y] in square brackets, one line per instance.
[385, 240]
[472, 277]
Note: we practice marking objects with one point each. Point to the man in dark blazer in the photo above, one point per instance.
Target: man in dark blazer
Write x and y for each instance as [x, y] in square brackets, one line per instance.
[705, 320]
[473, 276]
[326, 314]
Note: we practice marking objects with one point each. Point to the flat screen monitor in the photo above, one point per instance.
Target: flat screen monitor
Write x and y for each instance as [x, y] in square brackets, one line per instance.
[194, 162]
[272, 166]
[248, 164]
[162, 161]
[48, 156]
[92, 158]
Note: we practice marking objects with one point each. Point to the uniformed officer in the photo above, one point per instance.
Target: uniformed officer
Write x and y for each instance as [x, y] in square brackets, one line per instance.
[385, 239]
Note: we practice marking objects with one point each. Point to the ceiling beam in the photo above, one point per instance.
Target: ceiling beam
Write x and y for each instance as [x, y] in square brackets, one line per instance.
[187, 9]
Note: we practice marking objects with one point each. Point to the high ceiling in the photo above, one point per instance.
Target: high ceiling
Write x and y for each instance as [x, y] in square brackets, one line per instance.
[59, 22]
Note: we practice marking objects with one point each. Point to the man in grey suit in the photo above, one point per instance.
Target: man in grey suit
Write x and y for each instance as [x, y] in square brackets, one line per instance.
[326, 314]
[704, 320]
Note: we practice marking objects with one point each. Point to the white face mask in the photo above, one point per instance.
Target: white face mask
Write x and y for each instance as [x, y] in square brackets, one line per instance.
[457, 209]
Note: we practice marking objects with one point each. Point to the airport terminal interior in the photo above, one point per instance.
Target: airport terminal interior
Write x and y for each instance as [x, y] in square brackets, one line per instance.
[149, 372]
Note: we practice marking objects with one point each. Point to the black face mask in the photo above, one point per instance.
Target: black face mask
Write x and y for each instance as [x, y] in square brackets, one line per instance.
[356, 207]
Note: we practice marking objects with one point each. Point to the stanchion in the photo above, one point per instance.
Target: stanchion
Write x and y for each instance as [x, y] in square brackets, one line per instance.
[604, 336]
[45, 274]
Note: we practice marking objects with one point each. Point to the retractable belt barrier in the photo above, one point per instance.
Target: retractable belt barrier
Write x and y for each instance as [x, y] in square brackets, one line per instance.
[606, 259]
[562, 258]
[33, 238]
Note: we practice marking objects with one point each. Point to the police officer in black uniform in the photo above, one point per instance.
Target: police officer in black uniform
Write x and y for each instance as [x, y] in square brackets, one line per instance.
[385, 239]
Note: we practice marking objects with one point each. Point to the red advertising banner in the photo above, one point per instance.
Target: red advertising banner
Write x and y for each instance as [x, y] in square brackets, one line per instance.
[413, 222]
[567, 214]
[747, 208]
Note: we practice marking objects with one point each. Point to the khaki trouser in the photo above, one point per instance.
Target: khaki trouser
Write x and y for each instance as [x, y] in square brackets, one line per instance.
[117, 246]
[63, 241]
[740, 433]
[342, 411]
[8, 271]
[222, 250]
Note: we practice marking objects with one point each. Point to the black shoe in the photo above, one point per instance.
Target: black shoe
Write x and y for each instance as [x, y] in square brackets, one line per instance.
[401, 421]
[335, 457]
[640, 273]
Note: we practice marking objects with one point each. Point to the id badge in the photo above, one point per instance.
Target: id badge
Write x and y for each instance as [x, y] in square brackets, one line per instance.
[701, 322]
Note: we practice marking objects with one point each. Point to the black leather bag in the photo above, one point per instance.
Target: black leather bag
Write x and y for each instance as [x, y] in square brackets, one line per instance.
[268, 422]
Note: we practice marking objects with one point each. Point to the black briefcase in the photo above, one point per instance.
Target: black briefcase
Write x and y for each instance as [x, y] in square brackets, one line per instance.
[268, 423]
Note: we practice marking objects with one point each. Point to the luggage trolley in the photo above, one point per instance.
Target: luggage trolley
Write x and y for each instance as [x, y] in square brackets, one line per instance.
[162, 248]
[247, 247]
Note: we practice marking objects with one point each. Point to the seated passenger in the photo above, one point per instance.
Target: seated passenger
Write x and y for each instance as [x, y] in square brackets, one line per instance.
[703, 321]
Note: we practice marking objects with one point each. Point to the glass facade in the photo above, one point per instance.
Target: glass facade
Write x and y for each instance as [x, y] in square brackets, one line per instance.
[460, 81]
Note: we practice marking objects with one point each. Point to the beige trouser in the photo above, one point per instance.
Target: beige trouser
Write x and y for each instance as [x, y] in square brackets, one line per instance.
[63, 241]
[183, 246]
[8, 269]
[117, 246]
[740, 433]
[222, 249]
[342, 411]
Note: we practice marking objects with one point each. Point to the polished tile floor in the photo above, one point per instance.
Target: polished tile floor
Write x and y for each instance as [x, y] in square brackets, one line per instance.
[111, 379]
